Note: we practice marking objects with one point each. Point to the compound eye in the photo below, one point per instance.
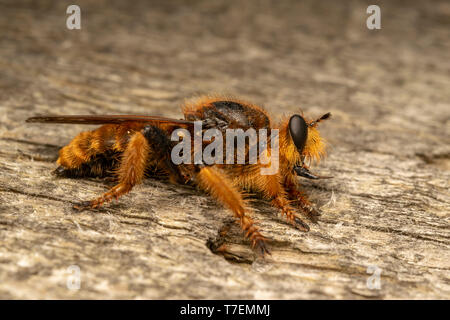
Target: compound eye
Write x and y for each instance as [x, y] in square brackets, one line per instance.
[299, 131]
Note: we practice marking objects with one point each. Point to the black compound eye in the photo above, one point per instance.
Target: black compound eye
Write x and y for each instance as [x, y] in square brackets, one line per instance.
[299, 131]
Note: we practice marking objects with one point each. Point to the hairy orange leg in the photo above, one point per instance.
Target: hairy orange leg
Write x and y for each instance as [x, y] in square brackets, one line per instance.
[221, 188]
[273, 189]
[130, 172]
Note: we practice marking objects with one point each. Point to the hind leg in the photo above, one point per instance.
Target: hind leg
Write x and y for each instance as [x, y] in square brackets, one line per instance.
[130, 171]
[149, 146]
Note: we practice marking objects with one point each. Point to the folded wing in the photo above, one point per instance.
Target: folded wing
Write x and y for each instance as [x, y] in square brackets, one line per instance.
[104, 119]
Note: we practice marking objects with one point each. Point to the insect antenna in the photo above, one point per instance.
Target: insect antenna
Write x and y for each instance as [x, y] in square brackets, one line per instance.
[324, 117]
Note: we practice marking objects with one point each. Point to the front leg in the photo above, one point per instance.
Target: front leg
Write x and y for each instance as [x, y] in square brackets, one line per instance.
[300, 199]
[271, 187]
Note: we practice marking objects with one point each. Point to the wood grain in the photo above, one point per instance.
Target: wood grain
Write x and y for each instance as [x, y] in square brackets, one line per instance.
[387, 205]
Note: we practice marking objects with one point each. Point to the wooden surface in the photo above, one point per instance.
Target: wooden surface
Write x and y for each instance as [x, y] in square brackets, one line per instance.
[387, 205]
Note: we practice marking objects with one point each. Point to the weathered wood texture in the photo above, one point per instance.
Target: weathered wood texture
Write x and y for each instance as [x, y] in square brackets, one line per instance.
[388, 204]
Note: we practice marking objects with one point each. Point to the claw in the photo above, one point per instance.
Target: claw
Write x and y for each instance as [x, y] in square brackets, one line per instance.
[307, 209]
[312, 214]
[83, 205]
[261, 247]
[300, 225]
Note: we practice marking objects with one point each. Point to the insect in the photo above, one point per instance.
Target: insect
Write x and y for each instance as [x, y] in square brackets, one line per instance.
[132, 147]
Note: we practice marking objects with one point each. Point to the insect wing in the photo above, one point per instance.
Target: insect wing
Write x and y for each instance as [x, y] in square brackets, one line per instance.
[104, 119]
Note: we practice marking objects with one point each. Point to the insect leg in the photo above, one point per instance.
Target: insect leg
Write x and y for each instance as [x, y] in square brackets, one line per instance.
[130, 171]
[220, 187]
[301, 200]
[272, 188]
[305, 205]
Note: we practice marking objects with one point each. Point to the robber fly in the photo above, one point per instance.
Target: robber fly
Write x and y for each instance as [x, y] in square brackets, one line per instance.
[131, 146]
